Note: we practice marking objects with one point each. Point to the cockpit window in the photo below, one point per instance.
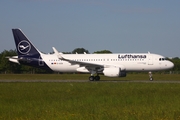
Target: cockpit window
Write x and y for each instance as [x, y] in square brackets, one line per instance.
[162, 59]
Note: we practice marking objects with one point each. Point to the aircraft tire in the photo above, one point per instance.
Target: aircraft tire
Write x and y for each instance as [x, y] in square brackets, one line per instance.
[151, 78]
[91, 78]
[97, 78]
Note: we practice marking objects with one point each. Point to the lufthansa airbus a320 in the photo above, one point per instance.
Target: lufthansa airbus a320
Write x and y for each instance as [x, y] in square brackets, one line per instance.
[111, 65]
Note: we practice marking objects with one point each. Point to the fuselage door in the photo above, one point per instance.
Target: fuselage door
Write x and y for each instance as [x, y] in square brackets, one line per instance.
[150, 59]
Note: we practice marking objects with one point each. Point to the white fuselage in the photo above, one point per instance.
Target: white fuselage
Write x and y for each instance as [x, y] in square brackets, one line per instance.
[125, 61]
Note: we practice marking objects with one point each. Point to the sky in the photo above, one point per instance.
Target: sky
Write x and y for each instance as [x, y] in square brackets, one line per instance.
[121, 26]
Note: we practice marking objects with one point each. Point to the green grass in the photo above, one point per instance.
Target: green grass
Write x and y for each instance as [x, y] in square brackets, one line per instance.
[89, 100]
[85, 77]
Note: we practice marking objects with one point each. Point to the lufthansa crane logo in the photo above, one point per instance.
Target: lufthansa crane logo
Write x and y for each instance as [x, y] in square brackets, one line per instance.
[24, 47]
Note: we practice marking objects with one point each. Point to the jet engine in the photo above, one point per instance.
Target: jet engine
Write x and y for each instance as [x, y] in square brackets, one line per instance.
[114, 72]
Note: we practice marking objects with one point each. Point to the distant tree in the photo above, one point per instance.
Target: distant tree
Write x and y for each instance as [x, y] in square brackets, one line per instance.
[176, 62]
[80, 51]
[66, 52]
[5, 65]
[62, 52]
[103, 51]
[175, 58]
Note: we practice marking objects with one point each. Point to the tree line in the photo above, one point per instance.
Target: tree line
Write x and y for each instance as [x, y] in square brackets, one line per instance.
[9, 67]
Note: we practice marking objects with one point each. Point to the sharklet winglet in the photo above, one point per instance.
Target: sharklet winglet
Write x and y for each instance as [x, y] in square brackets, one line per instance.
[57, 53]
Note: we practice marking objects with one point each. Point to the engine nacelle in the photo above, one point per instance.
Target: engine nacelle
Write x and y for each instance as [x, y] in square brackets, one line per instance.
[114, 72]
[82, 69]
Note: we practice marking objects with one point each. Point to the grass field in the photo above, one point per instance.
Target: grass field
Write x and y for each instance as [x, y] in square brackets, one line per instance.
[171, 77]
[89, 101]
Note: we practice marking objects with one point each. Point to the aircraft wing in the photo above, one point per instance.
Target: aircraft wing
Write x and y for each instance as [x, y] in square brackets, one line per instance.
[81, 63]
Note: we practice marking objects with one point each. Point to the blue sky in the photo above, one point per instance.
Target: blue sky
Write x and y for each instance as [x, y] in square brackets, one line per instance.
[115, 25]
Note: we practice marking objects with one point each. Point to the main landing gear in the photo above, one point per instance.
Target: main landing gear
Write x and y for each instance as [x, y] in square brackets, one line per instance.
[150, 76]
[94, 78]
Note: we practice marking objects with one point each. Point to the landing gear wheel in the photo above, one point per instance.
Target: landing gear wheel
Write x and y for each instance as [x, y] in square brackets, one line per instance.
[97, 78]
[91, 78]
[151, 78]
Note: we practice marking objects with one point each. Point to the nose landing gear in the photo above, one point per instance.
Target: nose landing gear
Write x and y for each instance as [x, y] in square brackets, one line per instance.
[150, 76]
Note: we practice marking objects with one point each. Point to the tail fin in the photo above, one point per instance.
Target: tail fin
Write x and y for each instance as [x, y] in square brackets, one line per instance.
[23, 45]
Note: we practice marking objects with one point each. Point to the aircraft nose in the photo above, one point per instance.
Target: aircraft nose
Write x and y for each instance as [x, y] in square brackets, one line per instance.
[170, 65]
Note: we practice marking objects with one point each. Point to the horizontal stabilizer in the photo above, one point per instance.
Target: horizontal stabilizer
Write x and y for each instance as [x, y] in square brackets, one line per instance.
[13, 59]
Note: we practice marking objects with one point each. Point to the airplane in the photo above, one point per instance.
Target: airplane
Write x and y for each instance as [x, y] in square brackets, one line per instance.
[111, 65]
